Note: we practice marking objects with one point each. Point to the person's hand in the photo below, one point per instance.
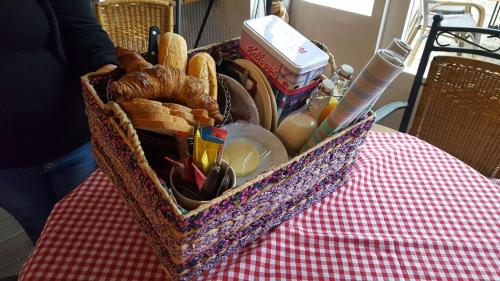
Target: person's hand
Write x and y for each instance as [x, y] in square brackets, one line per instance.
[106, 68]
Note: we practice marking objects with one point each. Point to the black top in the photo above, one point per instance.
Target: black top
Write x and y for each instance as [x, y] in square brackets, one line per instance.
[45, 46]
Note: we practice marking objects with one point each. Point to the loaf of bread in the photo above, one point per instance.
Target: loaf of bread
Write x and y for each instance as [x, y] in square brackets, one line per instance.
[143, 105]
[153, 116]
[172, 51]
[165, 84]
[202, 66]
[193, 116]
[153, 110]
[131, 61]
[192, 119]
[165, 127]
[195, 112]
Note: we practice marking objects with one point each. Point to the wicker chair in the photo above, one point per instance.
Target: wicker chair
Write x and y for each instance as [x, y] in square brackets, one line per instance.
[459, 111]
[459, 108]
[128, 21]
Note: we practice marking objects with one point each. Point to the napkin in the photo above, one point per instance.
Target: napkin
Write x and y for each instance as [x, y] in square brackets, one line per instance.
[381, 70]
[400, 47]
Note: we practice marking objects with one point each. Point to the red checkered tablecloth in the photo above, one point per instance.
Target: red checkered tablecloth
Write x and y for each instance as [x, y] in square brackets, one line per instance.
[409, 211]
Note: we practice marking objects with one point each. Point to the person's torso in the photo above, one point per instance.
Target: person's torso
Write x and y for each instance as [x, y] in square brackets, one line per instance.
[38, 100]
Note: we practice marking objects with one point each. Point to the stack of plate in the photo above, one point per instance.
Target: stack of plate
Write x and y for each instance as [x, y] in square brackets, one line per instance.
[264, 98]
[242, 105]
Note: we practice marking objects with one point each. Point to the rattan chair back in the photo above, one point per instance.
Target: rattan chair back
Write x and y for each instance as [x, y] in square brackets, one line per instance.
[128, 21]
[459, 111]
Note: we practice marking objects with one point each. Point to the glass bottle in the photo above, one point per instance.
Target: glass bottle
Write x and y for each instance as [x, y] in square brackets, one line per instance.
[342, 79]
[296, 129]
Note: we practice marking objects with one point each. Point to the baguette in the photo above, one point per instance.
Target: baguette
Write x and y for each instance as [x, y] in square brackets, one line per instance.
[202, 66]
[172, 51]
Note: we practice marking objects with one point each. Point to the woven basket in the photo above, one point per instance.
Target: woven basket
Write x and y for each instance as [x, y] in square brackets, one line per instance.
[189, 243]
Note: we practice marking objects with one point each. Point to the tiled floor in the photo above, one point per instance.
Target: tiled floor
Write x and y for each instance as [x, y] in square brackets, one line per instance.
[15, 245]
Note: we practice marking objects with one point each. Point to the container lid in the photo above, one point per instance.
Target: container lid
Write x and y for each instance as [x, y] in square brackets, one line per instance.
[297, 53]
[346, 71]
[328, 85]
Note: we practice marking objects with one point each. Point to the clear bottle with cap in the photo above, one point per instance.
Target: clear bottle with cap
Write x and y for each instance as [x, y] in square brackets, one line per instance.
[296, 129]
[342, 79]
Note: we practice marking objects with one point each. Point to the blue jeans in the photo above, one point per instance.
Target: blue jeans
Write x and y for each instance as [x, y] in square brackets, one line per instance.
[29, 193]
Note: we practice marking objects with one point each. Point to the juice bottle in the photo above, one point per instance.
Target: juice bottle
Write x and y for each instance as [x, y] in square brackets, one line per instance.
[296, 129]
[342, 79]
[331, 106]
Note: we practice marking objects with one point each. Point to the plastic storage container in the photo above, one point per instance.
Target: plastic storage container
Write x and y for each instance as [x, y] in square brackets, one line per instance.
[288, 58]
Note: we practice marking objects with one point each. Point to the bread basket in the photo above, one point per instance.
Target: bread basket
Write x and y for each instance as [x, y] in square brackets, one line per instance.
[187, 243]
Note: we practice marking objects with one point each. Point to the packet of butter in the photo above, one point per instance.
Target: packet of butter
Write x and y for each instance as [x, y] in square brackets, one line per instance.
[208, 146]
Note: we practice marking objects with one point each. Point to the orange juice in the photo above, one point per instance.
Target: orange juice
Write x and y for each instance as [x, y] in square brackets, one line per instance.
[331, 105]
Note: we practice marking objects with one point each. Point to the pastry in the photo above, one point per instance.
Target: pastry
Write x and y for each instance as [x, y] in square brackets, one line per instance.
[165, 84]
[202, 66]
[131, 61]
[172, 51]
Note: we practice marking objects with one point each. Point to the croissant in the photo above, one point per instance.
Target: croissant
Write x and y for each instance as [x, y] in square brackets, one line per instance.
[166, 84]
[131, 61]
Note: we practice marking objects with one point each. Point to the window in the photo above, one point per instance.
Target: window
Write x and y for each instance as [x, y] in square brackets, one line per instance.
[361, 7]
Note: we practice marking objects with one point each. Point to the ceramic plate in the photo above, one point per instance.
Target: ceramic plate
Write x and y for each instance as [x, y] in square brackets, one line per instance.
[274, 108]
[261, 99]
[271, 150]
[242, 105]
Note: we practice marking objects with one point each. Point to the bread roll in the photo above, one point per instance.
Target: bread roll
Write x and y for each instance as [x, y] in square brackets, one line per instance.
[153, 116]
[176, 106]
[143, 105]
[162, 127]
[172, 51]
[196, 112]
[144, 109]
[202, 66]
[148, 115]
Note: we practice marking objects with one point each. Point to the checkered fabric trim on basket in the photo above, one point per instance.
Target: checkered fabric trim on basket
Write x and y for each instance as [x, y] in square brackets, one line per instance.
[409, 211]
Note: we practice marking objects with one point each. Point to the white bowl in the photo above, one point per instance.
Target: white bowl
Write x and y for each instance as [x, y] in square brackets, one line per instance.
[271, 150]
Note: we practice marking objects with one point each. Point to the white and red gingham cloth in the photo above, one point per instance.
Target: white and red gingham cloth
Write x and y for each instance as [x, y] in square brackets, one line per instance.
[409, 211]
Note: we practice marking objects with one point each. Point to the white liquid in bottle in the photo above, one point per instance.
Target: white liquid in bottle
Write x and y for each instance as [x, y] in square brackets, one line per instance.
[296, 129]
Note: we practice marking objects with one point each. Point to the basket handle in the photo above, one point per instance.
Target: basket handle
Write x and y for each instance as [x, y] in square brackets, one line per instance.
[85, 81]
[115, 112]
[331, 58]
[101, 72]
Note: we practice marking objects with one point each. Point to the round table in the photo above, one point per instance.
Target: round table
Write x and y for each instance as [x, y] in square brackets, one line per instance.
[408, 211]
